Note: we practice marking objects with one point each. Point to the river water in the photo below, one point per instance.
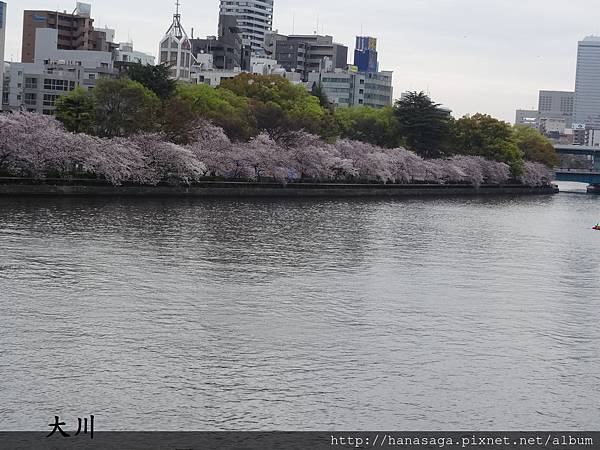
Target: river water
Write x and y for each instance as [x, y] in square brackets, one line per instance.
[452, 313]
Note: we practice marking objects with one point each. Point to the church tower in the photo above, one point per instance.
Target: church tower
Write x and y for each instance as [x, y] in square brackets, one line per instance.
[176, 50]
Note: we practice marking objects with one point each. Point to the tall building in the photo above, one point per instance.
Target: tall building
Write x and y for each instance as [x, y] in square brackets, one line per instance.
[75, 31]
[176, 50]
[365, 54]
[587, 84]
[254, 17]
[2, 37]
[306, 53]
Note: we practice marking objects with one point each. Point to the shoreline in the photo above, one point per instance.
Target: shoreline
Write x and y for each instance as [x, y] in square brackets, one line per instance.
[261, 189]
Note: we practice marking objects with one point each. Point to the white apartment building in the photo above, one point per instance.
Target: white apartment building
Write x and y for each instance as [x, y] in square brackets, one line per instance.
[36, 86]
[126, 54]
[346, 87]
[204, 72]
[254, 17]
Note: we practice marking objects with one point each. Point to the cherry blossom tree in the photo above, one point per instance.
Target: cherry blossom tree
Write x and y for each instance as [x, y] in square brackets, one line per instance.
[536, 174]
[33, 145]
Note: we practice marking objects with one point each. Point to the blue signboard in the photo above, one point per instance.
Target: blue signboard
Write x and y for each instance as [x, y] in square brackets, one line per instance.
[2, 8]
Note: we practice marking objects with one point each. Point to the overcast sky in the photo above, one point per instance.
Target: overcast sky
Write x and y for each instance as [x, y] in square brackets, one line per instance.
[473, 56]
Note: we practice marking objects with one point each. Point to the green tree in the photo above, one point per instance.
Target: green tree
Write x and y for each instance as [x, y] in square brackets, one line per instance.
[223, 107]
[124, 107]
[535, 146]
[179, 121]
[318, 91]
[483, 135]
[375, 126]
[300, 109]
[76, 111]
[155, 78]
[424, 126]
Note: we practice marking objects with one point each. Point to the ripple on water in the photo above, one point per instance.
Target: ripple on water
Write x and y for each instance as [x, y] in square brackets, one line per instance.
[301, 314]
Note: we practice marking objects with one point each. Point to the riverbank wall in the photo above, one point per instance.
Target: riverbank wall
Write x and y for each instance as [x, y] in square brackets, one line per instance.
[14, 187]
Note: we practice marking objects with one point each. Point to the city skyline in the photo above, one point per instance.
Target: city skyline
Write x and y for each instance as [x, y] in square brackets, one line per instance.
[468, 65]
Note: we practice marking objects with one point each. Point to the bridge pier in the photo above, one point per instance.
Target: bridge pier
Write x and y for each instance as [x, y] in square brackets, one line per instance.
[594, 189]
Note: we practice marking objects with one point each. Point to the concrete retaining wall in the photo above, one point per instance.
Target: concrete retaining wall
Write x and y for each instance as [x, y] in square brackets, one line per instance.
[246, 189]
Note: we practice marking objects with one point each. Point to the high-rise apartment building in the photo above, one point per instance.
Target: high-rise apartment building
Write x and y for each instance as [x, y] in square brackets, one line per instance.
[365, 54]
[75, 31]
[254, 17]
[587, 84]
[2, 37]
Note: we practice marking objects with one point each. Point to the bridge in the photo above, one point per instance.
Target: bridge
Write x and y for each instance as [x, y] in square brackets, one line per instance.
[589, 176]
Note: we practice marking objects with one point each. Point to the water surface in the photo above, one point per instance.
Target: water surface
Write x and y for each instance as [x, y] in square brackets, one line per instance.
[300, 314]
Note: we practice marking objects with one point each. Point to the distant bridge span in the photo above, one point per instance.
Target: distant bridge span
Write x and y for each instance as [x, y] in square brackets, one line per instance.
[589, 176]
[577, 150]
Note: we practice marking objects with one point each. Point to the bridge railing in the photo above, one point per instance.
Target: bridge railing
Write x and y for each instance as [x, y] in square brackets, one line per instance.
[563, 169]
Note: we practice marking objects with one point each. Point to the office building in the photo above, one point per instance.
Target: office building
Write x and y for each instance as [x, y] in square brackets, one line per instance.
[365, 54]
[554, 116]
[226, 49]
[36, 86]
[305, 53]
[557, 105]
[348, 87]
[587, 84]
[529, 117]
[254, 17]
[555, 112]
[2, 39]
[75, 31]
[176, 50]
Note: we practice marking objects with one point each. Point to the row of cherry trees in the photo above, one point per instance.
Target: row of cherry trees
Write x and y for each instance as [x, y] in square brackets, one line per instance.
[33, 145]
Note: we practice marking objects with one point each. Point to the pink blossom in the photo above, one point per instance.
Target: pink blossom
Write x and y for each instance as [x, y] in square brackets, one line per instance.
[33, 145]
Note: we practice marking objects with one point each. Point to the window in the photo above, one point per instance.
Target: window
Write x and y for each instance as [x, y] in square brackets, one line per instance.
[30, 83]
[31, 99]
[49, 99]
[51, 84]
[545, 103]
